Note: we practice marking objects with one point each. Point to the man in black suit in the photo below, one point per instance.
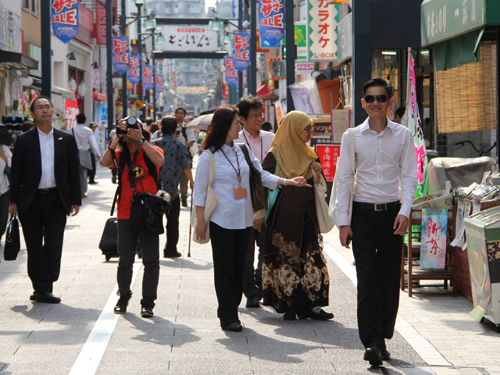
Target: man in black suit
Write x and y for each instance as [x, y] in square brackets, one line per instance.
[45, 188]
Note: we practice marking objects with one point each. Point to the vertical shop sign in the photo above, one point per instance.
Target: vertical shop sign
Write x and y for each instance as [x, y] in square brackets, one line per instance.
[225, 91]
[412, 119]
[322, 20]
[120, 54]
[160, 86]
[96, 78]
[433, 241]
[101, 120]
[147, 77]
[271, 17]
[241, 51]
[65, 19]
[328, 154]
[70, 112]
[133, 74]
[279, 111]
[231, 72]
[100, 24]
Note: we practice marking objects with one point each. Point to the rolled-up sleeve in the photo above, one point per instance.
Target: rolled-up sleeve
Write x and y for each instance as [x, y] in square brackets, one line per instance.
[344, 176]
[269, 180]
[409, 180]
[201, 180]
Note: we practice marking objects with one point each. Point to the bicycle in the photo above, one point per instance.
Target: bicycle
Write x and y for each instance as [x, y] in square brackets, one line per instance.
[480, 152]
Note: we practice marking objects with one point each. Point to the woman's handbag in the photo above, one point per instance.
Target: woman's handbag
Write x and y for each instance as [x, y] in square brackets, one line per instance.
[324, 220]
[332, 209]
[256, 187]
[211, 200]
[12, 241]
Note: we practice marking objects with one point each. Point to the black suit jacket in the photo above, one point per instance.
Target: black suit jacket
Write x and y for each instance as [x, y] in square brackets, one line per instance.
[26, 170]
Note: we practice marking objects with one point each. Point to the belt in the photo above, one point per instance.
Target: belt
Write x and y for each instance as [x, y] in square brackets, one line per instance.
[47, 191]
[377, 206]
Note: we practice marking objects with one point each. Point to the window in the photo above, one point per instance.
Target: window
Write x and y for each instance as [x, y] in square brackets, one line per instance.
[26, 4]
[34, 7]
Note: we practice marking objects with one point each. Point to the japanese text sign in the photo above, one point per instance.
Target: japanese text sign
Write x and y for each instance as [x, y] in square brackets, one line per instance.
[65, 19]
[189, 39]
[231, 72]
[147, 77]
[120, 54]
[323, 30]
[96, 78]
[433, 241]
[328, 154]
[159, 83]
[271, 18]
[241, 51]
[133, 74]
[70, 112]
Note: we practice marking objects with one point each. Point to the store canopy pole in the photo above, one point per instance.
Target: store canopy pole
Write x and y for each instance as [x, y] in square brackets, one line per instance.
[361, 54]
[240, 28]
[498, 93]
[252, 84]
[109, 68]
[123, 25]
[47, 49]
[290, 53]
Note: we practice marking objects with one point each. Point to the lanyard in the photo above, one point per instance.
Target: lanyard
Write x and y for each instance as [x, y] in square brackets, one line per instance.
[261, 156]
[238, 171]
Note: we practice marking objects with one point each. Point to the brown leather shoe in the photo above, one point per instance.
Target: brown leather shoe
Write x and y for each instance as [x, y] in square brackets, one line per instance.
[233, 327]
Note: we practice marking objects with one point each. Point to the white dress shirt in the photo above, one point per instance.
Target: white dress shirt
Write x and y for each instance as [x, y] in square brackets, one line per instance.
[85, 138]
[383, 160]
[48, 179]
[260, 145]
[4, 179]
[230, 213]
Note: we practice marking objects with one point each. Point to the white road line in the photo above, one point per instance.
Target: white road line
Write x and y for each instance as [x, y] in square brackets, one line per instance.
[421, 345]
[90, 357]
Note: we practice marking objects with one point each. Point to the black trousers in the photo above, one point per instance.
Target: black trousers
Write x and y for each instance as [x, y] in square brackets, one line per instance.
[252, 279]
[172, 226]
[377, 252]
[43, 228]
[91, 172]
[229, 248]
[128, 235]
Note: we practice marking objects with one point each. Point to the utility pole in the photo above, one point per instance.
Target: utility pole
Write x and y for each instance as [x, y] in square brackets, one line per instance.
[290, 53]
[123, 22]
[109, 67]
[47, 49]
[252, 76]
[139, 48]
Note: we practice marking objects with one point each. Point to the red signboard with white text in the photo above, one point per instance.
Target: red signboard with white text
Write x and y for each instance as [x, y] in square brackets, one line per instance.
[328, 154]
[70, 112]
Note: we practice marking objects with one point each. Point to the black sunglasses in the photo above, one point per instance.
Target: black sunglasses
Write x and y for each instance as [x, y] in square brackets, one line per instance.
[380, 98]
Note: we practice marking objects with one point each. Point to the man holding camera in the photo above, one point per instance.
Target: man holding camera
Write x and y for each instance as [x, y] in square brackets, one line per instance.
[138, 165]
[176, 164]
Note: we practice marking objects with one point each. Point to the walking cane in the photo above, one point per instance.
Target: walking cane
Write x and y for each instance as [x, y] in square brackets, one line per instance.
[190, 226]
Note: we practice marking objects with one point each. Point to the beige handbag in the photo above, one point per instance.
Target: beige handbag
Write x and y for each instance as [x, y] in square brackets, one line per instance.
[211, 200]
[324, 220]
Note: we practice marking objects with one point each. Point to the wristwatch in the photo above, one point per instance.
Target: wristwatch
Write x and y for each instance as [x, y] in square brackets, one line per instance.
[141, 141]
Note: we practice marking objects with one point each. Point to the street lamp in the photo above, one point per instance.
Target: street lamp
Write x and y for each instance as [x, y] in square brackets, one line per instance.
[150, 24]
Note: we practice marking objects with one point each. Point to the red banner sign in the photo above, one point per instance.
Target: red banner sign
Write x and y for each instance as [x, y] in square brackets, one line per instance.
[328, 154]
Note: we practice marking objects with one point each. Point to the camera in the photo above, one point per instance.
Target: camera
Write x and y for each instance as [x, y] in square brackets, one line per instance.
[131, 123]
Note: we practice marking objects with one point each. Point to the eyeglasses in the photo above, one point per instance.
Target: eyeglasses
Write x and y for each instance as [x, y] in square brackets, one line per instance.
[371, 98]
[255, 117]
[308, 128]
[41, 107]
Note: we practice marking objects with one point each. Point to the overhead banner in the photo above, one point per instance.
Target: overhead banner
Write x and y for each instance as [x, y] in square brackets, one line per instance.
[65, 19]
[231, 72]
[160, 85]
[120, 54]
[133, 74]
[189, 39]
[241, 51]
[271, 17]
[147, 77]
[322, 30]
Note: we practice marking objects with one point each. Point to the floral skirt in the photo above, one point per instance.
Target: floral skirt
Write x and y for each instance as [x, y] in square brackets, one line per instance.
[294, 277]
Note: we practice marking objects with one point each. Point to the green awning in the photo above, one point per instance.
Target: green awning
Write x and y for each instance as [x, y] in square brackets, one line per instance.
[458, 51]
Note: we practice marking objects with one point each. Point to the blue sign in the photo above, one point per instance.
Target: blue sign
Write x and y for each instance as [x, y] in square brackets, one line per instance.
[235, 9]
[120, 54]
[134, 74]
[65, 19]
[160, 86]
[271, 16]
[231, 72]
[147, 77]
[241, 51]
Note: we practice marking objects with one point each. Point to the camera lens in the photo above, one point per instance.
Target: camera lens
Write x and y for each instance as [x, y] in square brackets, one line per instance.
[131, 121]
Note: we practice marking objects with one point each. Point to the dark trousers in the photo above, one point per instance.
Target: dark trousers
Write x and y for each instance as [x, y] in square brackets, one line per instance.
[229, 247]
[172, 226]
[377, 252]
[128, 235]
[252, 279]
[43, 228]
[91, 172]
[183, 186]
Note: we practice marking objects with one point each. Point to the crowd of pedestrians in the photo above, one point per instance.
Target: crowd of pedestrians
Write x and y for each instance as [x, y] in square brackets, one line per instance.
[47, 177]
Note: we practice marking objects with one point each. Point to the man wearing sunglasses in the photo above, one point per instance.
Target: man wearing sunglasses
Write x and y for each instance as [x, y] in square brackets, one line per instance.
[385, 184]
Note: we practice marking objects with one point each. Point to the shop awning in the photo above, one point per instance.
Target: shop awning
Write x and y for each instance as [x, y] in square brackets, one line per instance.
[458, 51]
[99, 97]
[66, 94]
[264, 93]
[21, 61]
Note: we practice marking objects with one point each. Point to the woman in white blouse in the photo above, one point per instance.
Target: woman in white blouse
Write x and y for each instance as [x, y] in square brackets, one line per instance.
[232, 219]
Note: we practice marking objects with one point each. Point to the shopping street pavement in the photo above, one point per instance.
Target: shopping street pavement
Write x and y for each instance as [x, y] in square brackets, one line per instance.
[82, 335]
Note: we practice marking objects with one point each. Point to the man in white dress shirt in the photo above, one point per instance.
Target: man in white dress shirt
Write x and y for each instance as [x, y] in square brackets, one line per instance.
[259, 141]
[84, 140]
[385, 160]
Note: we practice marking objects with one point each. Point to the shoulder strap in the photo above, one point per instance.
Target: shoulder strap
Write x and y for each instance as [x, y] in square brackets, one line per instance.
[211, 168]
[152, 171]
[183, 130]
[244, 148]
[352, 148]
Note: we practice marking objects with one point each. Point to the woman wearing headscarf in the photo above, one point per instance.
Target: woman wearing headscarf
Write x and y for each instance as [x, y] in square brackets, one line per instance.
[295, 277]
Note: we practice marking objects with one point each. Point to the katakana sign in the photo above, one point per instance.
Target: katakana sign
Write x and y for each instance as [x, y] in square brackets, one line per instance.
[231, 72]
[189, 39]
[147, 77]
[65, 19]
[120, 54]
[271, 16]
[241, 51]
[323, 19]
[133, 74]
[159, 83]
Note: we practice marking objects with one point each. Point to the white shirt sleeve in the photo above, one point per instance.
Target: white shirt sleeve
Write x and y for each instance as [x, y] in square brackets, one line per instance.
[201, 180]
[408, 166]
[344, 177]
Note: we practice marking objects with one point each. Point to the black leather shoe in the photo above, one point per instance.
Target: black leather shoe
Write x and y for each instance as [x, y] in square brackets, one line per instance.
[385, 354]
[33, 296]
[253, 301]
[184, 203]
[233, 327]
[46, 298]
[147, 312]
[121, 305]
[322, 315]
[373, 356]
[93, 182]
[171, 254]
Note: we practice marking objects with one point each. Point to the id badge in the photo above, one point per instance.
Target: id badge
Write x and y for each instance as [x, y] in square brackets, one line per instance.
[240, 193]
